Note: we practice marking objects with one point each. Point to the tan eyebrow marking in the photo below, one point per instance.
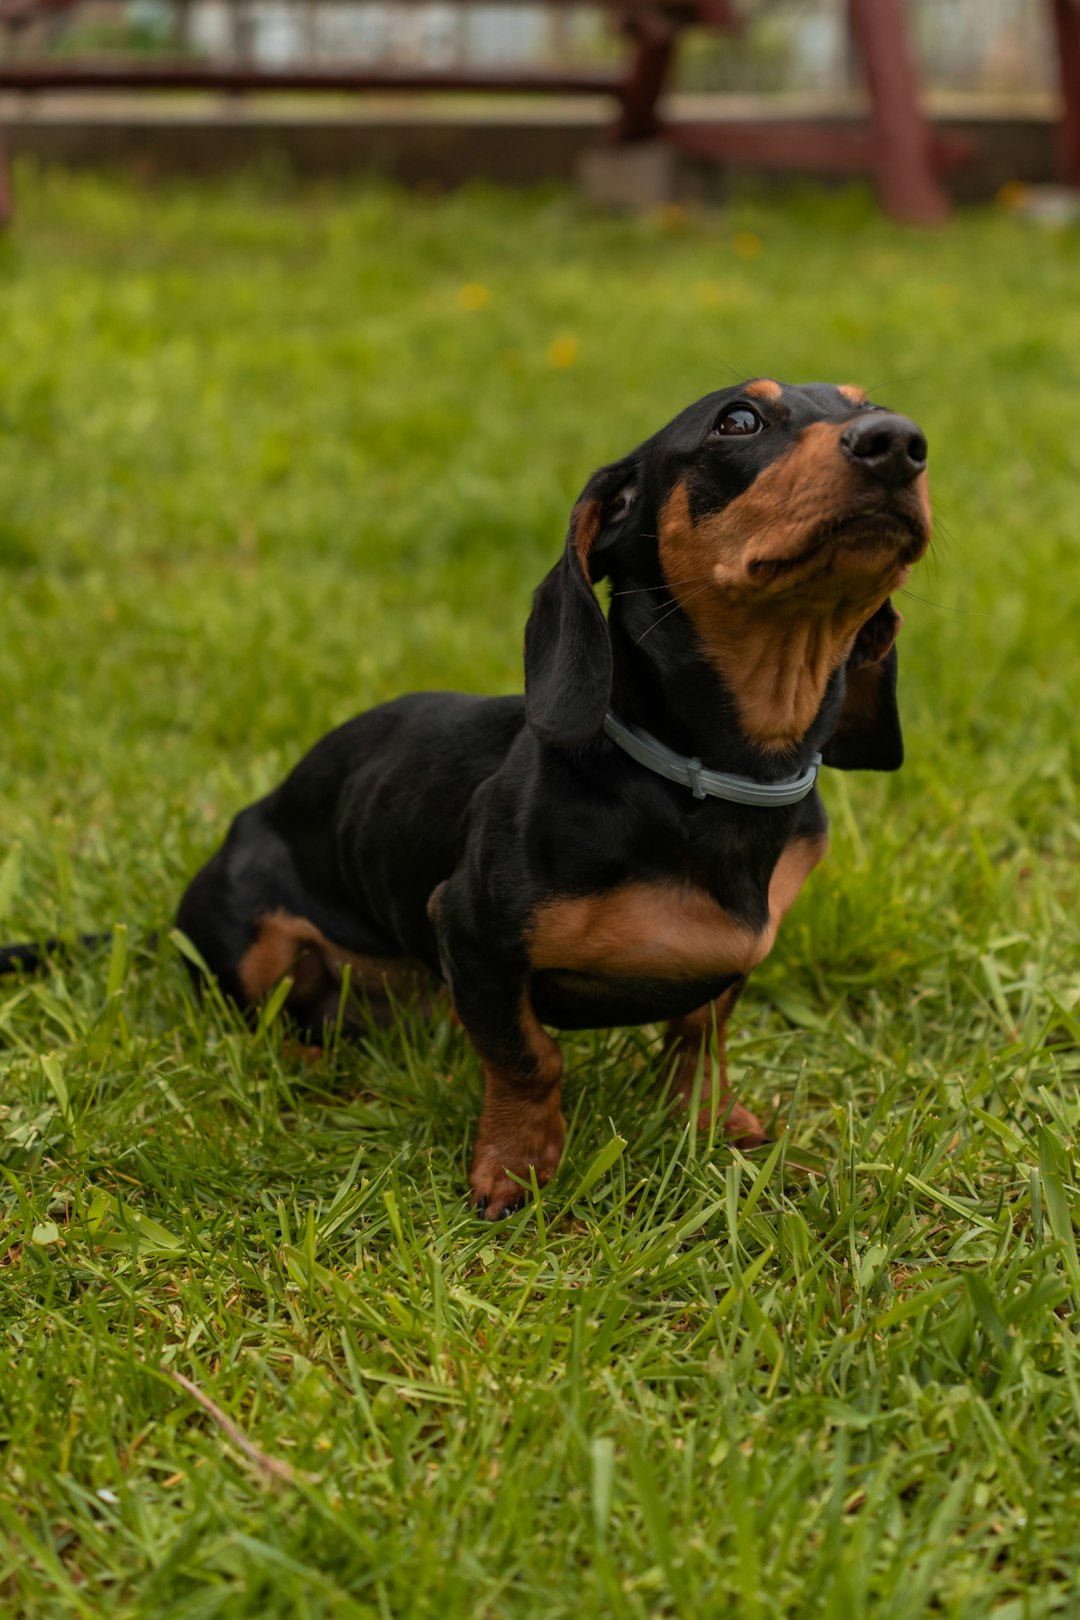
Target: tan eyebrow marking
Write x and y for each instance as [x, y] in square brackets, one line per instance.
[765, 388]
[852, 393]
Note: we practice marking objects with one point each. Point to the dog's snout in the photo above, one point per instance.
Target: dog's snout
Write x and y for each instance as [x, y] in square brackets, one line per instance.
[890, 448]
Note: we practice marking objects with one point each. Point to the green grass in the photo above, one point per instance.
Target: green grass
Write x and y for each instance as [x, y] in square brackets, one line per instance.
[261, 468]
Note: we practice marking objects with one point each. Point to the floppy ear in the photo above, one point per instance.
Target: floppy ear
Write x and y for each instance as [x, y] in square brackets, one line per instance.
[568, 666]
[868, 735]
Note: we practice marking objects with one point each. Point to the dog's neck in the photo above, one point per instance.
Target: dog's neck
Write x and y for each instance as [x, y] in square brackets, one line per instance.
[664, 684]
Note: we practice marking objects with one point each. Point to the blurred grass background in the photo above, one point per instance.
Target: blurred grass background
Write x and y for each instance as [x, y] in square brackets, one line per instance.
[269, 456]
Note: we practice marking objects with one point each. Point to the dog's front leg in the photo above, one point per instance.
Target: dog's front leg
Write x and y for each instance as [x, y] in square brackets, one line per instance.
[689, 1039]
[521, 1128]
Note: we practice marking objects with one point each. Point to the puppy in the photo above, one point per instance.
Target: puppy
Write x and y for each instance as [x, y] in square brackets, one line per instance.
[620, 845]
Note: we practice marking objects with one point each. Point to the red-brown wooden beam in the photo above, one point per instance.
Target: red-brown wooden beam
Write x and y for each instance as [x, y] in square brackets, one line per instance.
[69, 73]
[1067, 29]
[653, 31]
[790, 143]
[17, 13]
[650, 59]
[906, 182]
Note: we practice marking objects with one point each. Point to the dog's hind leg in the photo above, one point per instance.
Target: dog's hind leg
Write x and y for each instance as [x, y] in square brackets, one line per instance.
[689, 1041]
[255, 922]
[287, 944]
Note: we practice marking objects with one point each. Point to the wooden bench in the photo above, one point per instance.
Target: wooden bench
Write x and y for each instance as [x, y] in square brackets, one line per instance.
[895, 146]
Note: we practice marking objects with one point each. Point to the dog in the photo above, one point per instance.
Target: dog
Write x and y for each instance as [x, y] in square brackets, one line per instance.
[620, 845]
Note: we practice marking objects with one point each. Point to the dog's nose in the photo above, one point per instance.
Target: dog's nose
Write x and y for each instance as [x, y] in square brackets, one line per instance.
[889, 448]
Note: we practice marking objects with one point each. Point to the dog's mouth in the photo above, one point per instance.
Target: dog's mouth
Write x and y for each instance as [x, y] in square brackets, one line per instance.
[859, 539]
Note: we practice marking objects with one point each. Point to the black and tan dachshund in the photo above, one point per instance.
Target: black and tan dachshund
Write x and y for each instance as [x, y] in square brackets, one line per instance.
[620, 845]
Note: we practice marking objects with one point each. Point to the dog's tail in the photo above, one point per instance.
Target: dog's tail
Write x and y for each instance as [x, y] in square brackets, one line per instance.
[30, 958]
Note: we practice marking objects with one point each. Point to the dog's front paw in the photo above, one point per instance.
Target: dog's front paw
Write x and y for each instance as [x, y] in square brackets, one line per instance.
[514, 1141]
[741, 1128]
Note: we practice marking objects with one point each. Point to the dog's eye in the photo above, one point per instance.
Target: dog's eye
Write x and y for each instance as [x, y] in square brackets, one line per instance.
[739, 420]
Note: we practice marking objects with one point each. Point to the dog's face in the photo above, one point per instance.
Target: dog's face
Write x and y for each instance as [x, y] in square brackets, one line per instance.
[805, 495]
[776, 520]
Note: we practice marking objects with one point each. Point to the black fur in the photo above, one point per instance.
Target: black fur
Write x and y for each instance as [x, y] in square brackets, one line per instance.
[433, 827]
[28, 958]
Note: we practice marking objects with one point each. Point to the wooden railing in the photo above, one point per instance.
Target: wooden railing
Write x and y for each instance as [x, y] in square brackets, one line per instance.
[895, 144]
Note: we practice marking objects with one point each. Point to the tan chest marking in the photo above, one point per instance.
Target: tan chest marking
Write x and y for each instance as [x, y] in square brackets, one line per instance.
[774, 653]
[661, 931]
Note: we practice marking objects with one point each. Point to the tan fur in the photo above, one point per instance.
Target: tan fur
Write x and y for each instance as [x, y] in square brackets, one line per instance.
[791, 872]
[585, 526]
[777, 638]
[546, 1057]
[659, 930]
[522, 1128]
[689, 1040]
[765, 389]
[292, 945]
[852, 393]
[642, 930]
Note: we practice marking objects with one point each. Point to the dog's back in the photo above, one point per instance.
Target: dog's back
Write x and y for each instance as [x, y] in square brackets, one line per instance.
[399, 778]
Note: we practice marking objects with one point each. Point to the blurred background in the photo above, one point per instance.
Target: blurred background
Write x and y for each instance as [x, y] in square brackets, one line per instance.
[927, 97]
[315, 320]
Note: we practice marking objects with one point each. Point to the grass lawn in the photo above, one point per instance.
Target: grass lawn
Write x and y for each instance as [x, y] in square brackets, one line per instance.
[267, 459]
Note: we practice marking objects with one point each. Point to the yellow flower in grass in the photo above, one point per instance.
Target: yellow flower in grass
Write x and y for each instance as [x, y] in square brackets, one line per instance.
[563, 351]
[671, 217]
[1013, 194]
[474, 295]
[746, 245]
[709, 294]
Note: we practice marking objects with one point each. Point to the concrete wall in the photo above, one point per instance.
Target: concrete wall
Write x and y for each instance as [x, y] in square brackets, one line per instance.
[430, 144]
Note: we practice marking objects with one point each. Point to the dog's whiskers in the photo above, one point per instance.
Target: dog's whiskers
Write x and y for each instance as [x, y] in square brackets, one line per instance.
[673, 609]
[644, 590]
[943, 607]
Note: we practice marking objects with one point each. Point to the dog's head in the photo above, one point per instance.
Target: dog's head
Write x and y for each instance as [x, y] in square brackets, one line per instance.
[766, 526]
